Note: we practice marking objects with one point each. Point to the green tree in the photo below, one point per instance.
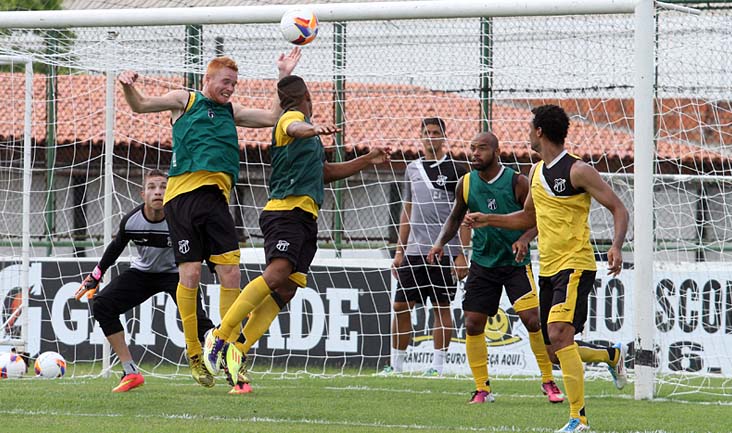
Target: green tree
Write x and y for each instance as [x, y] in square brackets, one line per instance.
[30, 5]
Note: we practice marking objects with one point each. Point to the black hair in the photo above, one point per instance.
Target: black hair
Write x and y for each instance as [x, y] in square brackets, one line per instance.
[291, 90]
[553, 122]
[433, 121]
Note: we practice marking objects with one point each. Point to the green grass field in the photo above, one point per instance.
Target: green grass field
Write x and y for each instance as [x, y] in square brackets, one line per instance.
[334, 404]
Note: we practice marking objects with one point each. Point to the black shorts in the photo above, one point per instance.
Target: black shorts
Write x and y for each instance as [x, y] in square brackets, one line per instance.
[201, 227]
[419, 280]
[131, 288]
[563, 298]
[290, 234]
[484, 287]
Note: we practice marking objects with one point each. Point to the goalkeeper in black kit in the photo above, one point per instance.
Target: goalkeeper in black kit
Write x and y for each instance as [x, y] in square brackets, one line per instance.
[152, 271]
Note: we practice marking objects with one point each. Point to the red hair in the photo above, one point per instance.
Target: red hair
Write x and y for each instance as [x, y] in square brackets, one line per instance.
[219, 63]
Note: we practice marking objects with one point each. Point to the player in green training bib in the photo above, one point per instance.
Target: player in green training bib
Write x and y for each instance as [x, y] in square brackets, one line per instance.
[289, 223]
[203, 170]
[500, 259]
[558, 205]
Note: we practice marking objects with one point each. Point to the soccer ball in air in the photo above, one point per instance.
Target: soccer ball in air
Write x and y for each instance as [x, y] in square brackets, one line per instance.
[50, 365]
[11, 365]
[299, 26]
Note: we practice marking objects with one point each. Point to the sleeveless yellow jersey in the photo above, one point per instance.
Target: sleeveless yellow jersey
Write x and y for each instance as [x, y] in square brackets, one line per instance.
[561, 217]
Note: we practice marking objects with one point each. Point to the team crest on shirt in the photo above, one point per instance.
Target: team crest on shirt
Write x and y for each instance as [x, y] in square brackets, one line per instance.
[282, 245]
[170, 243]
[560, 185]
[492, 204]
[441, 180]
[211, 114]
[184, 246]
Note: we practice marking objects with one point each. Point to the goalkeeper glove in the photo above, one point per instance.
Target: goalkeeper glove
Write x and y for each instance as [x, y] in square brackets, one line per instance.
[90, 284]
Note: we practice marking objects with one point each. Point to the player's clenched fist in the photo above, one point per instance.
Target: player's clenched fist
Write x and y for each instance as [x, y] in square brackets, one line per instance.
[127, 78]
[89, 285]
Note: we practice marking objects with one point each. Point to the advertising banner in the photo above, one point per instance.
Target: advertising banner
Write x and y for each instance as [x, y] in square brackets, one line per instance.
[344, 317]
[693, 317]
[341, 318]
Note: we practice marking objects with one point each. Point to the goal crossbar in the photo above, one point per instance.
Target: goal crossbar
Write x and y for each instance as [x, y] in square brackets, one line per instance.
[325, 12]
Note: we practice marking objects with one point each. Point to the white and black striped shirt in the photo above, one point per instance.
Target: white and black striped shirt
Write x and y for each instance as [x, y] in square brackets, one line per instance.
[152, 239]
[430, 187]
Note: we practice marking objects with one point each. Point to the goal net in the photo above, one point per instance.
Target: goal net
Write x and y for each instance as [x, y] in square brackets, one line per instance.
[377, 79]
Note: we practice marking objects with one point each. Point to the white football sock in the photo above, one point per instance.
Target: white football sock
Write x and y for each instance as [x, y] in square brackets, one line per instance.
[397, 359]
[438, 360]
[129, 367]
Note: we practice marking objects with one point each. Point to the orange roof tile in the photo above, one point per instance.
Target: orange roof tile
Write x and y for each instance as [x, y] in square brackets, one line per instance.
[383, 114]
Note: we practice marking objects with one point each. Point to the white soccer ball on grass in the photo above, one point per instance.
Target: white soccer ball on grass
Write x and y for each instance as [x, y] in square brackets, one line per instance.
[12, 366]
[50, 365]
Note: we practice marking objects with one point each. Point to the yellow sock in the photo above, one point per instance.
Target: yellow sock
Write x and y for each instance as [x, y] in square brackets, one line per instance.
[186, 298]
[248, 299]
[536, 340]
[259, 322]
[239, 345]
[227, 297]
[574, 379]
[593, 353]
[477, 352]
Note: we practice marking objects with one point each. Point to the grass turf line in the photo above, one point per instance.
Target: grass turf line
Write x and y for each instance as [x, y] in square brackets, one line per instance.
[333, 404]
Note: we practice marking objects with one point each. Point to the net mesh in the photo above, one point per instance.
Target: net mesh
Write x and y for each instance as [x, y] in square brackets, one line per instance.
[470, 72]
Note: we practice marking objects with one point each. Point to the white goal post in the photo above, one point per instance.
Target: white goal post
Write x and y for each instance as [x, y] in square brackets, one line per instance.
[22, 314]
[644, 73]
[643, 197]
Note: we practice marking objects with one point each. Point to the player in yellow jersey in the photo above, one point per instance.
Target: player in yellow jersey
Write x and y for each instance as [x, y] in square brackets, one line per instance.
[500, 259]
[558, 203]
[203, 169]
[289, 225]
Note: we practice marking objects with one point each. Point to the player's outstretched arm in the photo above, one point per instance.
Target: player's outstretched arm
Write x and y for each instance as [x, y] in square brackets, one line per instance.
[258, 118]
[519, 220]
[342, 170]
[307, 130]
[174, 101]
[586, 177]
